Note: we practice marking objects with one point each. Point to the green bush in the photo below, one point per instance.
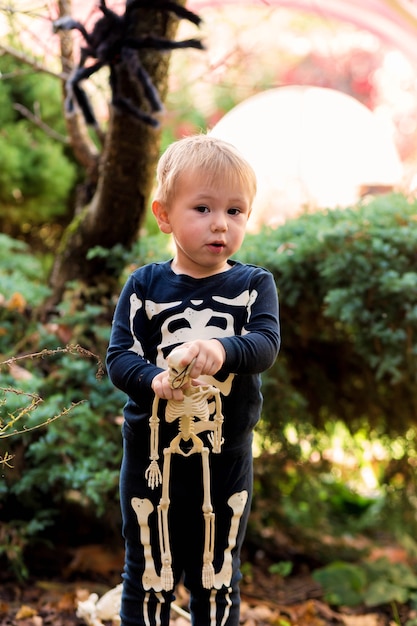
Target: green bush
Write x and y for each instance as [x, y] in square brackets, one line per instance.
[347, 281]
[60, 443]
[66, 452]
[36, 173]
[368, 583]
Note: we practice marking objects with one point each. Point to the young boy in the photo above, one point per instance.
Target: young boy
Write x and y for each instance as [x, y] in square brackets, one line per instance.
[192, 517]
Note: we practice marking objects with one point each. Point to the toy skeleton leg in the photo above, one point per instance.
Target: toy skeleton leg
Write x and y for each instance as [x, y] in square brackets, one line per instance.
[219, 601]
[231, 478]
[209, 518]
[163, 507]
[208, 554]
[219, 605]
[143, 602]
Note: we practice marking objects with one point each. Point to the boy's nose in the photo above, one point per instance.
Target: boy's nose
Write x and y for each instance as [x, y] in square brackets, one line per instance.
[219, 223]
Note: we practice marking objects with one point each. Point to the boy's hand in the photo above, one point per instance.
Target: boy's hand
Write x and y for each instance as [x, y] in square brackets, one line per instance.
[161, 386]
[208, 355]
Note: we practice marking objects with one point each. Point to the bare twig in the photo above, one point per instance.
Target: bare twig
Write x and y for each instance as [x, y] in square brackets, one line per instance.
[69, 349]
[7, 428]
[40, 123]
[5, 460]
[36, 400]
[36, 65]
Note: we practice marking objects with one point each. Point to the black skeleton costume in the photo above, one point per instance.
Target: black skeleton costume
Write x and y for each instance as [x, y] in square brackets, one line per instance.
[186, 478]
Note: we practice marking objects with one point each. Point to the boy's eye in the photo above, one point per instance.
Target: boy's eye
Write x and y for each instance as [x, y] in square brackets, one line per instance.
[202, 208]
[234, 211]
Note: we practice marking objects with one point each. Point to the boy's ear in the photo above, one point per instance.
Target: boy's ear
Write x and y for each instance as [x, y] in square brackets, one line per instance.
[161, 216]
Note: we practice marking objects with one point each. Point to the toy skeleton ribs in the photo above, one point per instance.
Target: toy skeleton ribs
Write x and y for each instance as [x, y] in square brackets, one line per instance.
[194, 417]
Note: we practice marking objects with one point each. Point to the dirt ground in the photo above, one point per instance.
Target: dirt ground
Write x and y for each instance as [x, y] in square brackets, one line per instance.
[266, 600]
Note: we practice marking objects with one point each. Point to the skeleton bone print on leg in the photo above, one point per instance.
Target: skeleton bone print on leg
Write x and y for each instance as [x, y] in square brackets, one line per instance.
[194, 406]
[237, 503]
[151, 580]
[143, 508]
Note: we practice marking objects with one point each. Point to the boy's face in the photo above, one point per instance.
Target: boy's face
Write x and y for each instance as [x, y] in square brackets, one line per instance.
[207, 219]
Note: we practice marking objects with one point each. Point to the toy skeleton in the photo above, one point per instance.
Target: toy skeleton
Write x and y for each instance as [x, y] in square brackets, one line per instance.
[194, 416]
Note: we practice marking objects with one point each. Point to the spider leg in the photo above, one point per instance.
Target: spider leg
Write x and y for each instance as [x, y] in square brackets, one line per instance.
[149, 90]
[68, 23]
[179, 11]
[164, 5]
[143, 77]
[160, 43]
[77, 93]
[105, 10]
[126, 105]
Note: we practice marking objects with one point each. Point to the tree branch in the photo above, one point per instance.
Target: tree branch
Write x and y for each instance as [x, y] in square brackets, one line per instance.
[23, 58]
[40, 123]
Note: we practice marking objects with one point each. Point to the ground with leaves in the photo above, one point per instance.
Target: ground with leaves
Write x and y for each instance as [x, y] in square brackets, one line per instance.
[267, 599]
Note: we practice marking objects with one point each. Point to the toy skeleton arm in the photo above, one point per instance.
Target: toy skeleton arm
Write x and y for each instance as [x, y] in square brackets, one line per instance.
[192, 406]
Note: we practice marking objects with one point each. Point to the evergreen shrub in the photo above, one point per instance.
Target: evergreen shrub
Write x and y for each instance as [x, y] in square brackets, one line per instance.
[347, 282]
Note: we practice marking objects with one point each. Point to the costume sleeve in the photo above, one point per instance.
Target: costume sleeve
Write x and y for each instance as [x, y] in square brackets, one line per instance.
[257, 348]
[127, 366]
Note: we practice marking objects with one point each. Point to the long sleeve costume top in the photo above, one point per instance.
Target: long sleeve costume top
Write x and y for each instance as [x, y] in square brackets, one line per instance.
[159, 310]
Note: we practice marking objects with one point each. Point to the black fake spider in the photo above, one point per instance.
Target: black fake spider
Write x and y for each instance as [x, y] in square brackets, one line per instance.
[110, 44]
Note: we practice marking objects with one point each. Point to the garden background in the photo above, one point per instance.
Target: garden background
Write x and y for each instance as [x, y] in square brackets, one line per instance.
[332, 532]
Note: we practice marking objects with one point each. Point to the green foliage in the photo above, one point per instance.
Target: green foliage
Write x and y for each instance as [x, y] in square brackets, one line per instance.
[21, 272]
[316, 506]
[342, 583]
[78, 456]
[22, 289]
[283, 568]
[36, 175]
[370, 583]
[74, 460]
[16, 536]
[347, 281]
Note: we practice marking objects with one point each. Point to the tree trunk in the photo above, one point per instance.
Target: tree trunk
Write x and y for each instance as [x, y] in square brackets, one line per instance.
[123, 179]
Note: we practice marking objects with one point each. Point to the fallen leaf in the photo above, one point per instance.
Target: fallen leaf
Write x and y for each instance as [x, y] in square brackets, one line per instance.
[16, 302]
[4, 606]
[19, 373]
[25, 611]
[66, 602]
[95, 558]
[371, 619]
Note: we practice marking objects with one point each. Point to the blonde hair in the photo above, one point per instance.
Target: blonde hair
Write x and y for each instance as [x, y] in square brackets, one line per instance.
[212, 156]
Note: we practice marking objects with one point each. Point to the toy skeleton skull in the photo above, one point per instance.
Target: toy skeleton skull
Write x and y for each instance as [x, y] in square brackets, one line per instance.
[178, 375]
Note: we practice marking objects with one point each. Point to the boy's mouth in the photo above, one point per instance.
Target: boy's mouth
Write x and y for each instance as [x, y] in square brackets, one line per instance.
[216, 246]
